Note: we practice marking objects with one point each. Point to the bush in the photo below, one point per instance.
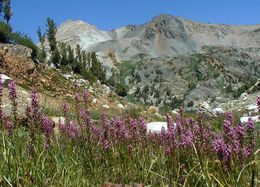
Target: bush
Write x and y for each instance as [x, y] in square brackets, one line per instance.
[88, 75]
[121, 89]
[5, 32]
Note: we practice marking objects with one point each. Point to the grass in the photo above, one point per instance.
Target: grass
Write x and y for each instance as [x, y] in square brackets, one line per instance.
[119, 150]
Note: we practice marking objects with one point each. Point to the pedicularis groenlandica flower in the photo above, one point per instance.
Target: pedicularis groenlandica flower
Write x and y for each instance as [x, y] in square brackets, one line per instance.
[183, 137]
[13, 97]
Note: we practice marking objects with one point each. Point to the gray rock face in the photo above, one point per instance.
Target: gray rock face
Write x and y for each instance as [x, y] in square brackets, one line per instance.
[164, 35]
[16, 49]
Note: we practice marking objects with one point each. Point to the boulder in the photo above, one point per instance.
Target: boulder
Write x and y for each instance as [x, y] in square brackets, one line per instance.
[5, 79]
[205, 109]
[153, 109]
[218, 111]
[106, 106]
[246, 118]
[174, 112]
[121, 106]
[94, 100]
[56, 119]
[156, 127]
[16, 49]
[107, 89]
[252, 107]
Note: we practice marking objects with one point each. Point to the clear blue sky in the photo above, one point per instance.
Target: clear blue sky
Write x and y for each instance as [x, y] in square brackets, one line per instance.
[111, 14]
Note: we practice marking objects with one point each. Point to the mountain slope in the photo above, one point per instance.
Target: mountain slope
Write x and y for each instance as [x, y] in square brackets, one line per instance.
[164, 35]
[172, 61]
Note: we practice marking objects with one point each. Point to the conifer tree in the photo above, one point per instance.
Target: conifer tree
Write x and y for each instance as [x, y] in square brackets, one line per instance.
[70, 55]
[96, 68]
[63, 53]
[78, 53]
[55, 58]
[51, 32]
[7, 11]
[40, 35]
[41, 54]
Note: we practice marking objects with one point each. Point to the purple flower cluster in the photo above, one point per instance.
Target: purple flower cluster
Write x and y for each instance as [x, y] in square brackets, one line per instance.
[2, 114]
[48, 126]
[12, 89]
[258, 103]
[13, 96]
[235, 145]
[10, 126]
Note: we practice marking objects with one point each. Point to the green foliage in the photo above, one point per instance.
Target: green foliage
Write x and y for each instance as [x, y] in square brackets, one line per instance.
[97, 69]
[121, 89]
[7, 36]
[63, 53]
[41, 55]
[190, 104]
[51, 32]
[55, 58]
[243, 88]
[88, 75]
[5, 32]
[175, 103]
[5, 10]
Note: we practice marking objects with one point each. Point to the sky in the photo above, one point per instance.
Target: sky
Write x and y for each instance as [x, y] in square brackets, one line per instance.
[112, 14]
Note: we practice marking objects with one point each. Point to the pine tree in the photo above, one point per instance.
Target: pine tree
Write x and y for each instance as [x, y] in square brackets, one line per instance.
[41, 54]
[96, 68]
[7, 11]
[84, 59]
[63, 53]
[55, 58]
[51, 32]
[70, 55]
[40, 35]
[78, 53]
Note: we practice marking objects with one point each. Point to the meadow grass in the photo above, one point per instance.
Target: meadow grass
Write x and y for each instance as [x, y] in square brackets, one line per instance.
[81, 152]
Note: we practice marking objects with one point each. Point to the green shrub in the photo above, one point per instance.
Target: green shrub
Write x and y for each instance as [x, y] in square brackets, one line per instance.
[121, 89]
[5, 32]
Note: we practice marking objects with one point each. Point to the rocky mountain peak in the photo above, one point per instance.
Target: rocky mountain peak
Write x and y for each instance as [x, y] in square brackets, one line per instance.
[164, 35]
[163, 18]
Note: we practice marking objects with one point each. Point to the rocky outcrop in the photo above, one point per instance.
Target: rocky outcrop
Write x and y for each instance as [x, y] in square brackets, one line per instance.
[16, 49]
[16, 60]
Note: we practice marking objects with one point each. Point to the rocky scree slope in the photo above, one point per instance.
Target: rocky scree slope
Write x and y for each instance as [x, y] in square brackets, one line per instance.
[54, 87]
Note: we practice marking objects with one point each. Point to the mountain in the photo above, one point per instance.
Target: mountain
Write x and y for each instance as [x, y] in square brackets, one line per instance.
[164, 35]
[171, 61]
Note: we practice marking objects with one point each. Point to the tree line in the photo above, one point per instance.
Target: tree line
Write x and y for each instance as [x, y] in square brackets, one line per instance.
[63, 56]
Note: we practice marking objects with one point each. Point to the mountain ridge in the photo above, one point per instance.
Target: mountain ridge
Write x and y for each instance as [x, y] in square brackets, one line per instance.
[164, 35]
